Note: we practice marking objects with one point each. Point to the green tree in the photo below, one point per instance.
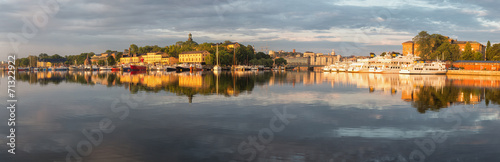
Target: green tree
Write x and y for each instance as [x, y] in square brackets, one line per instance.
[495, 52]
[488, 49]
[111, 61]
[428, 44]
[43, 55]
[118, 56]
[101, 62]
[447, 51]
[467, 54]
[280, 61]
[134, 49]
[478, 56]
[383, 54]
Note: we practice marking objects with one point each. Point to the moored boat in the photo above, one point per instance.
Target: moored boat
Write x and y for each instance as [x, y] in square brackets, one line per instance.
[434, 68]
[137, 68]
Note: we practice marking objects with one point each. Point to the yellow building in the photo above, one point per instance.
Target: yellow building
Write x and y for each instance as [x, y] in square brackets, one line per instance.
[43, 64]
[193, 57]
[233, 45]
[129, 60]
[152, 58]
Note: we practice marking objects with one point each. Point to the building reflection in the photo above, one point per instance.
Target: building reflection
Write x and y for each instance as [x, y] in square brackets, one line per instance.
[424, 92]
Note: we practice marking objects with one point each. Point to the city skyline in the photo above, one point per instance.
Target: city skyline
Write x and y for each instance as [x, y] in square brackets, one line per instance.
[349, 27]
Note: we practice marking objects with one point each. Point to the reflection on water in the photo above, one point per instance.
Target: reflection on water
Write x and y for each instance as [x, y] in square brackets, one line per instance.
[206, 117]
[425, 92]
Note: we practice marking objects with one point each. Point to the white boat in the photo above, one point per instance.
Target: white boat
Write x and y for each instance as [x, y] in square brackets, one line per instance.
[326, 69]
[374, 69]
[434, 68]
[254, 68]
[342, 68]
[355, 67]
[104, 68]
[217, 67]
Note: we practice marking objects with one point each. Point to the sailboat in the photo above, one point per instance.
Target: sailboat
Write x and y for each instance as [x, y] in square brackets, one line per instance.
[217, 67]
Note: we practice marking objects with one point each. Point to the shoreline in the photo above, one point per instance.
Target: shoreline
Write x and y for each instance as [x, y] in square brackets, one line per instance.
[473, 72]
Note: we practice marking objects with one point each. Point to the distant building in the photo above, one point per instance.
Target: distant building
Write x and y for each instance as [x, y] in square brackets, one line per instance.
[233, 45]
[49, 62]
[153, 58]
[333, 52]
[309, 54]
[324, 60]
[298, 61]
[271, 53]
[411, 47]
[193, 57]
[102, 56]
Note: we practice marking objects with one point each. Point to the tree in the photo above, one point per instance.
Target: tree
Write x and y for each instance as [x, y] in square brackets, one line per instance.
[423, 42]
[467, 54]
[478, 56]
[101, 62]
[134, 49]
[428, 44]
[495, 52]
[383, 54]
[118, 56]
[111, 61]
[280, 61]
[447, 51]
[43, 55]
[488, 51]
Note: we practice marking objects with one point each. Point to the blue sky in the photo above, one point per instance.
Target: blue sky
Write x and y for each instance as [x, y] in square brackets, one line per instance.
[351, 27]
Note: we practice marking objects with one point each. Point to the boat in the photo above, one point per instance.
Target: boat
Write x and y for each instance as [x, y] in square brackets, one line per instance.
[114, 69]
[434, 68]
[137, 68]
[61, 68]
[182, 67]
[374, 69]
[254, 68]
[169, 68]
[327, 69]
[22, 69]
[355, 67]
[217, 67]
[104, 68]
[342, 68]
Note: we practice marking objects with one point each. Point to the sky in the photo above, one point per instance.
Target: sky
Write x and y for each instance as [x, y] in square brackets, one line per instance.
[350, 27]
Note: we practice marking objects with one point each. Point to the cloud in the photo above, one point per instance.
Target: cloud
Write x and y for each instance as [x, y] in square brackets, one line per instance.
[100, 25]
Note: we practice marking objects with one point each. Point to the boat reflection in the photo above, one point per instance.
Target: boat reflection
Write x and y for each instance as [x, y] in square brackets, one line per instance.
[424, 92]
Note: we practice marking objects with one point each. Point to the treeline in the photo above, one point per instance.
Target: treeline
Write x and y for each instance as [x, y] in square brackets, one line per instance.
[245, 55]
[437, 46]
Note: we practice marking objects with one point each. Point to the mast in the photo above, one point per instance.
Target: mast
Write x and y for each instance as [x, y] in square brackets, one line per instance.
[217, 54]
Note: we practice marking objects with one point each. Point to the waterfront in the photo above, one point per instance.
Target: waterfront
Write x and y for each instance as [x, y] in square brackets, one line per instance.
[206, 117]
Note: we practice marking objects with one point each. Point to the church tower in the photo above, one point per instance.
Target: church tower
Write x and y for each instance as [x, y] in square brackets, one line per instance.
[190, 39]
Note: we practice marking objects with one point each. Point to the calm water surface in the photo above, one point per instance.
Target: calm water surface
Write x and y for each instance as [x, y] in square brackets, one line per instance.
[253, 116]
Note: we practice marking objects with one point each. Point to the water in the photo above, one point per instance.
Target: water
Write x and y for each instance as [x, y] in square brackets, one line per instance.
[257, 116]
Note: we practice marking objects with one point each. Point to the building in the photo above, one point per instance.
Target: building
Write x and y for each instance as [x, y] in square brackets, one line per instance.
[102, 56]
[193, 57]
[324, 60]
[50, 62]
[233, 45]
[478, 65]
[411, 47]
[130, 60]
[309, 54]
[298, 61]
[153, 58]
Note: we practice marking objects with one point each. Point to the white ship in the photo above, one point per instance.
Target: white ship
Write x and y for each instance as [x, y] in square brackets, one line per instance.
[435, 68]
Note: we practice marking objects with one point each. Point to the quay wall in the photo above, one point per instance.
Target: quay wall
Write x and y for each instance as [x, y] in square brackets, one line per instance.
[472, 72]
